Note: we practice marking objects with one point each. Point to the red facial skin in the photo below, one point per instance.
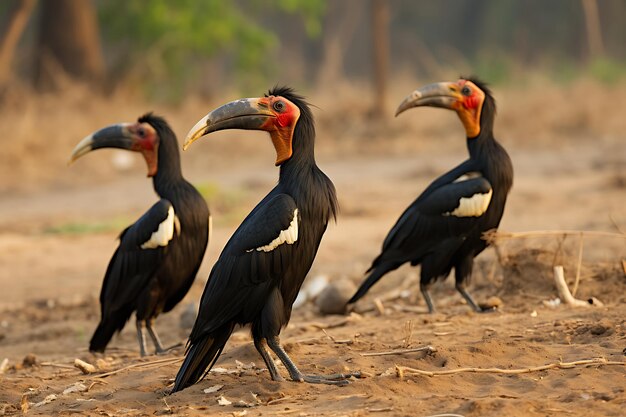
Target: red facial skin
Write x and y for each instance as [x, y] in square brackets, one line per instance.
[146, 141]
[469, 107]
[282, 121]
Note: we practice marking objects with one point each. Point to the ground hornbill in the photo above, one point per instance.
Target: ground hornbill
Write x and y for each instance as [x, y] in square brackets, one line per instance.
[159, 255]
[259, 273]
[443, 228]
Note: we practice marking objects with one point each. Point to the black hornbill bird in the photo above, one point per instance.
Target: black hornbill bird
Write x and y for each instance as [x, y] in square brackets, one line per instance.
[443, 228]
[159, 255]
[259, 273]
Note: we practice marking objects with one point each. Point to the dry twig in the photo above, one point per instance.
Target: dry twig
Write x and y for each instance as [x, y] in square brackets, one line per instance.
[379, 306]
[338, 341]
[428, 349]
[145, 365]
[493, 235]
[402, 370]
[408, 333]
[580, 261]
[57, 365]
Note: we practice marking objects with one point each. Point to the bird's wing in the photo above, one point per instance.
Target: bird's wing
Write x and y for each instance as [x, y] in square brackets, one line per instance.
[446, 212]
[141, 249]
[251, 265]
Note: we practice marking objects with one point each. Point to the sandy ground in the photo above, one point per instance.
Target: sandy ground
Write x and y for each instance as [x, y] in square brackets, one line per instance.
[52, 266]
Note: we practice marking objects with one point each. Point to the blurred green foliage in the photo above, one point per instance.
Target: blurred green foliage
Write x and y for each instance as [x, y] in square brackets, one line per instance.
[161, 40]
[607, 70]
[226, 204]
[116, 225]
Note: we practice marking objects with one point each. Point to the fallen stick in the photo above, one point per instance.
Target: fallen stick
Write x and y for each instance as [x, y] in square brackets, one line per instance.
[379, 306]
[85, 367]
[338, 341]
[57, 365]
[401, 370]
[565, 295]
[277, 400]
[493, 236]
[447, 415]
[429, 349]
[162, 362]
[578, 266]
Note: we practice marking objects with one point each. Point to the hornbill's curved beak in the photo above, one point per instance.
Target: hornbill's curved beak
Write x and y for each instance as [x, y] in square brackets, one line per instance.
[444, 94]
[246, 113]
[114, 136]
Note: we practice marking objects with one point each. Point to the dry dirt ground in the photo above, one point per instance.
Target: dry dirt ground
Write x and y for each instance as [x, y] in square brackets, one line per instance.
[58, 231]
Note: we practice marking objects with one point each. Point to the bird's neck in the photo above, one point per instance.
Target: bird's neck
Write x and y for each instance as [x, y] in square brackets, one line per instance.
[302, 162]
[312, 190]
[489, 157]
[169, 174]
[478, 145]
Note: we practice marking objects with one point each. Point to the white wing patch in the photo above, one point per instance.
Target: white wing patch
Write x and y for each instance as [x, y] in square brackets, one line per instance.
[474, 206]
[468, 176]
[164, 233]
[288, 236]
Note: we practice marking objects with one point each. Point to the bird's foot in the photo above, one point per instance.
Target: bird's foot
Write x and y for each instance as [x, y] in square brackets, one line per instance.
[160, 350]
[332, 379]
[277, 377]
[482, 310]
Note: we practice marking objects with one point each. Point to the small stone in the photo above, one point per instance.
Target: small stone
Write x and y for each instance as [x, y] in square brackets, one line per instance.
[223, 401]
[102, 365]
[29, 361]
[333, 298]
[76, 387]
[492, 303]
[213, 389]
[4, 365]
[603, 327]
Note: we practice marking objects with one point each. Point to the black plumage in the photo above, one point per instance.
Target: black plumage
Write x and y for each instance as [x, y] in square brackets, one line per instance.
[159, 255]
[443, 228]
[256, 278]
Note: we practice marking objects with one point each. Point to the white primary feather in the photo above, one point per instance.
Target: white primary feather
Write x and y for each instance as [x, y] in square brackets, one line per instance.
[474, 206]
[164, 233]
[288, 236]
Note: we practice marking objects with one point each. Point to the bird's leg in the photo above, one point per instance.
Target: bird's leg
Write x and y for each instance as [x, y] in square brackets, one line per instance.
[261, 345]
[141, 337]
[461, 289]
[426, 295]
[296, 375]
[155, 337]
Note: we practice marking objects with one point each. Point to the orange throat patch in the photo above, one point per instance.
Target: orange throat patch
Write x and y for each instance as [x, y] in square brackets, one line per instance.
[471, 120]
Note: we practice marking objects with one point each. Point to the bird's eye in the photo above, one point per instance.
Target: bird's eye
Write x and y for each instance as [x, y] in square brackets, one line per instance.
[279, 106]
[141, 131]
[466, 91]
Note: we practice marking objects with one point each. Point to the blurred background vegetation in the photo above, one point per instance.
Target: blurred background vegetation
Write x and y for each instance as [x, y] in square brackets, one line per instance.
[164, 50]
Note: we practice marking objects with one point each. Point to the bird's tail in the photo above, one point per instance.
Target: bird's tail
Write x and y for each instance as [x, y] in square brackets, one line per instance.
[201, 357]
[376, 273]
[103, 335]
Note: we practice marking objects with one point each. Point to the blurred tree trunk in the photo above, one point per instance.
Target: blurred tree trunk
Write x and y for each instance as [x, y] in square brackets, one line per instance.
[69, 40]
[380, 34]
[17, 18]
[594, 29]
[341, 23]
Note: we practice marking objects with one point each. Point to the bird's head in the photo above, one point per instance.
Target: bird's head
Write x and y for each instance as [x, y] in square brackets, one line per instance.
[142, 136]
[468, 97]
[277, 113]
